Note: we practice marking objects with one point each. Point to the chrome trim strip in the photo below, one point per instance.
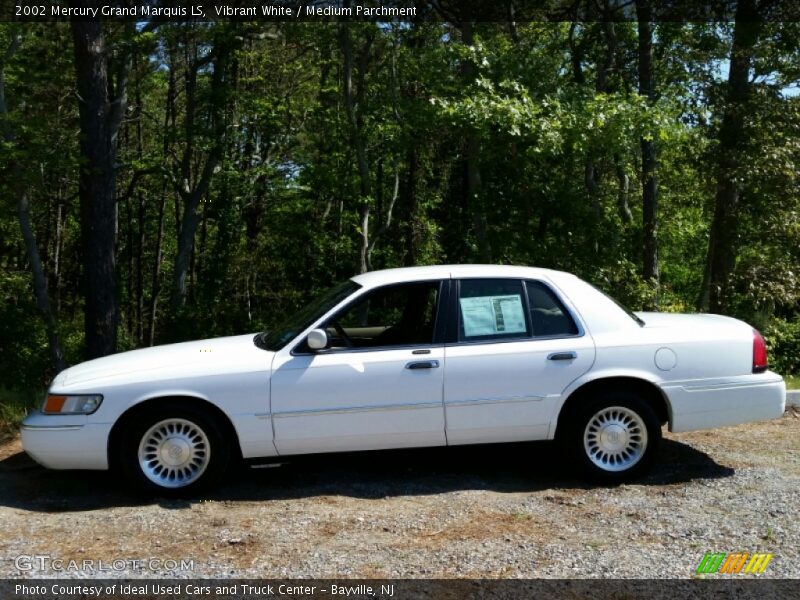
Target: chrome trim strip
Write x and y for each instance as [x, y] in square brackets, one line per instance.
[51, 427]
[354, 409]
[328, 351]
[481, 401]
[725, 386]
[510, 340]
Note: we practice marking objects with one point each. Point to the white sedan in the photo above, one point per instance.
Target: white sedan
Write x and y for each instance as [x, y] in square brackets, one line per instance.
[423, 356]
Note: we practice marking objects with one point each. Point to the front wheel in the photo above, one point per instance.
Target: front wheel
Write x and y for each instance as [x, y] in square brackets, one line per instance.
[615, 437]
[173, 451]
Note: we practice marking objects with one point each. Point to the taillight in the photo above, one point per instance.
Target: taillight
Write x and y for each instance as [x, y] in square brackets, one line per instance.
[759, 353]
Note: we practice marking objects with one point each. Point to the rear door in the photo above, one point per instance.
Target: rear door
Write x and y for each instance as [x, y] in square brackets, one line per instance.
[513, 347]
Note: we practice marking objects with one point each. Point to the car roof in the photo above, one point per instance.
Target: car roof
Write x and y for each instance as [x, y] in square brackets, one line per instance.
[373, 278]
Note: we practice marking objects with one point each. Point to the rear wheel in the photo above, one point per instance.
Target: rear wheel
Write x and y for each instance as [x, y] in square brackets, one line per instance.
[614, 437]
[173, 450]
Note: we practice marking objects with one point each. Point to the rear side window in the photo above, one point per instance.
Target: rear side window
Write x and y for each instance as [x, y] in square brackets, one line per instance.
[491, 309]
[547, 314]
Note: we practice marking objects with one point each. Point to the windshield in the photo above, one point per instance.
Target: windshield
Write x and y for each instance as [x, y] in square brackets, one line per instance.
[276, 338]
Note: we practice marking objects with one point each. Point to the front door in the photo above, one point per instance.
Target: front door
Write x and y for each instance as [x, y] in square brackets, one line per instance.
[517, 348]
[377, 385]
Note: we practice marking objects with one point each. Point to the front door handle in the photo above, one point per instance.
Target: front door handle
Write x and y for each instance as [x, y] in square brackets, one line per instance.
[423, 364]
[571, 355]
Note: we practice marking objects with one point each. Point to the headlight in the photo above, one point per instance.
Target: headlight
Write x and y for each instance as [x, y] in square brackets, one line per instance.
[56, 404]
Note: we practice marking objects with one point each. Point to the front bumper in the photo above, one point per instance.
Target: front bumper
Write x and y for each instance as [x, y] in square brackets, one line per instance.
[705, 404]
[65, 441]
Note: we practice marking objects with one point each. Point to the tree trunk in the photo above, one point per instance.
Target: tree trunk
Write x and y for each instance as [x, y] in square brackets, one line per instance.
[129, 285]
[192, 195]
[189, 222]
[650, 271]
[40, 286]
[96, 187]
[141, 224]
[591, 177]
[733, 136]
[385, 219]
[59, 249]
[412, 203]
[474, 201]
[472, 173]
[169, 121]
[353, 105]
[623, 189]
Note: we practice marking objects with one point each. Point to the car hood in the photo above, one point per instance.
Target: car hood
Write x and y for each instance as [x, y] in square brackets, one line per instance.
[235, 353]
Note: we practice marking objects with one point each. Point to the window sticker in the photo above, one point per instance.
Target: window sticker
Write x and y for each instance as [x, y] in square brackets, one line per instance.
[492, 315]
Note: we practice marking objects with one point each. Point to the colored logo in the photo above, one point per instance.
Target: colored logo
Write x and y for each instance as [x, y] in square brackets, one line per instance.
[737, 562]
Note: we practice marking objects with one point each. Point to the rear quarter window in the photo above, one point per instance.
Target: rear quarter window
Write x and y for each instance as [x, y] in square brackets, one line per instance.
[548, 315]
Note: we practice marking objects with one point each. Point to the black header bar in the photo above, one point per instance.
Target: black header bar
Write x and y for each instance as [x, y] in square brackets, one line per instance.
[400, 589]
[388, 10]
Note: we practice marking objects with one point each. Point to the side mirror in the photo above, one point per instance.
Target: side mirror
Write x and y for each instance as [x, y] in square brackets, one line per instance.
[317, 339]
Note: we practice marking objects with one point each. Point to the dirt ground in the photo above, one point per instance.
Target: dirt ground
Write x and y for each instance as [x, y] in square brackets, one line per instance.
[500, 511]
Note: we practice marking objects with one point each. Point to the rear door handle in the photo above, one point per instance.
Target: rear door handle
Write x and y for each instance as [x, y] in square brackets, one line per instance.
[423, 364]
[571, 355]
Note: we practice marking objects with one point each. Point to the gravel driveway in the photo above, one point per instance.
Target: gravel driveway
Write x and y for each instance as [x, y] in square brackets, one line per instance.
[465, 512]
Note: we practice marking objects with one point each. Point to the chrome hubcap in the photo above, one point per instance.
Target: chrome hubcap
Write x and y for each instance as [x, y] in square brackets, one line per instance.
[615, 438]
[174, 453]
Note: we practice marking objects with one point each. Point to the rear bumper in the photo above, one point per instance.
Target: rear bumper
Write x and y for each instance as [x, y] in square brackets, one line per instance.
[704, 404]
[67, 442]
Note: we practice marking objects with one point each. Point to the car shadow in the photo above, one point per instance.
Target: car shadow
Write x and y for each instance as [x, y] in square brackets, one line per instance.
[523, 467]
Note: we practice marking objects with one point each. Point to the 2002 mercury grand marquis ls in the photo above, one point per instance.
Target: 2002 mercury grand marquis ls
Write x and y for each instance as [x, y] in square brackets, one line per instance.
[423, 356]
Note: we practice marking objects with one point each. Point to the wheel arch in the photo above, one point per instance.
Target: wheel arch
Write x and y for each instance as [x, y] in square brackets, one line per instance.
[219, 415]
[645, 388]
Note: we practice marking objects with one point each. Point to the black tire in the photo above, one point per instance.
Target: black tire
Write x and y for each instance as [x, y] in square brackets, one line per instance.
[189, 421]
[639, 439]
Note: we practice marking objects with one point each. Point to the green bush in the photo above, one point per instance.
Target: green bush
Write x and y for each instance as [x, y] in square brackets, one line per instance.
[783, 342]
[24, 359]
[14, 405]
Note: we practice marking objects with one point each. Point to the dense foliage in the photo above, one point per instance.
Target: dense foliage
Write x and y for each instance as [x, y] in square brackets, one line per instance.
[257, 163]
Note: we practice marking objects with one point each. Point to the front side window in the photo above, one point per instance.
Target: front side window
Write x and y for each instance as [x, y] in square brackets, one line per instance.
[277, 338]
[491, 309]
[548, 314]
[396, 315]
